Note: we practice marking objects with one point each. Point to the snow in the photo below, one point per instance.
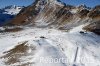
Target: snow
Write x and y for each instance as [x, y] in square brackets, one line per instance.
[73, 11]
[75, 48]
[14, 10]
[1, 28]
[77, 29]
[39, 23]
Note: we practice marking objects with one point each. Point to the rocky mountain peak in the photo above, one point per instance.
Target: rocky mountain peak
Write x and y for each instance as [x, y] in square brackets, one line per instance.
[97, 7]
[83, 6]
[47, 13]
[49, 2]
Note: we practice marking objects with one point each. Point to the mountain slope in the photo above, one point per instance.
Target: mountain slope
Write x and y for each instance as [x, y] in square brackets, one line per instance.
[8, 13]
[53, 13]
[37, 46]
[94, 26]
[51, 33]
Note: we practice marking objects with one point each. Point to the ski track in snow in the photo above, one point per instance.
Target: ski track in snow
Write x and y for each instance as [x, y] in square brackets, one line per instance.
[78, 49]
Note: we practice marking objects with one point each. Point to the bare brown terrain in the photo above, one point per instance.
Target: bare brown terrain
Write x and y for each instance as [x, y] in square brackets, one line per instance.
[21, 50]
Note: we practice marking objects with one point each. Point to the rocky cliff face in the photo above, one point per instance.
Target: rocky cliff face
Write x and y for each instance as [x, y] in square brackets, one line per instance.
[94, 25]
[54, 14]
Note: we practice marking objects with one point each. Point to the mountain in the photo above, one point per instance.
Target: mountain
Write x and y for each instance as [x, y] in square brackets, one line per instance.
[53, 13]
[52, 33]
[8, 13]
[94, 26]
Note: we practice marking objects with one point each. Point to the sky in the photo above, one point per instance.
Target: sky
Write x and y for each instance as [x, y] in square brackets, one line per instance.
[4, 3]
[90, 3]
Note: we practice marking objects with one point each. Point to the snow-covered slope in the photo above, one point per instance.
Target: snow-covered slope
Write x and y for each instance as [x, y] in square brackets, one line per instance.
[49, 47]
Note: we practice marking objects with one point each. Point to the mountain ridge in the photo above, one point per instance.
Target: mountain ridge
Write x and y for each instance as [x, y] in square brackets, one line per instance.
[8, 13]
[54, 13]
